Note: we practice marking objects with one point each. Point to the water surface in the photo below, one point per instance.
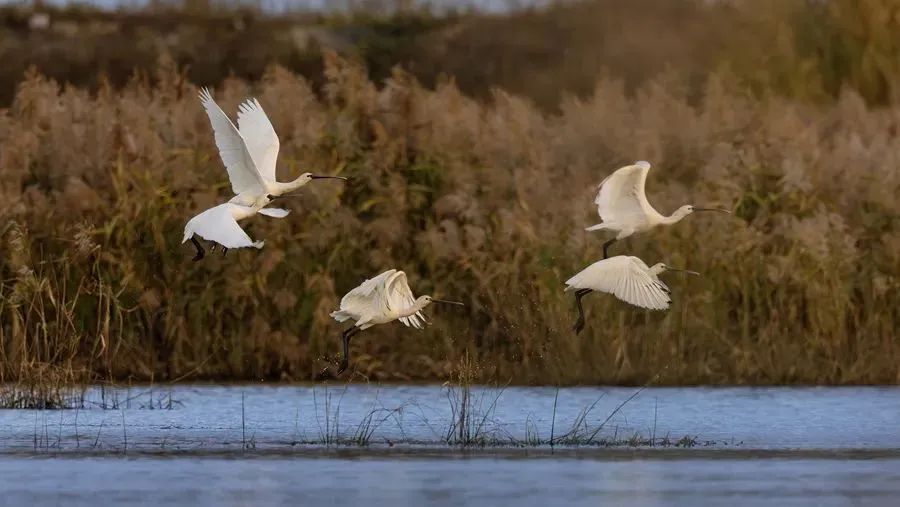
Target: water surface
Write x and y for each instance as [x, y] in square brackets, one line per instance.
[205, 417]
[479, 480]
[256, 445]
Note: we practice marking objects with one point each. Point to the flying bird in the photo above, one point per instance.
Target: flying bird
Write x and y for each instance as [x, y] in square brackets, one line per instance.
[219, 224]
[626, 277]
[623, 206]
[249, 152]
[379, 300]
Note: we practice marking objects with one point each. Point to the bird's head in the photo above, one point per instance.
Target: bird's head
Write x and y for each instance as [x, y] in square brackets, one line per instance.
[426, 300]
[307, 177]
[659, 267]
[687, 209]
[684, 211]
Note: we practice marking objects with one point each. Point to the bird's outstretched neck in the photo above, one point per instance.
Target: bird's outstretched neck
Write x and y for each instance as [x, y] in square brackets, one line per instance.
[284, 188]
[675, 217]
[418, 305]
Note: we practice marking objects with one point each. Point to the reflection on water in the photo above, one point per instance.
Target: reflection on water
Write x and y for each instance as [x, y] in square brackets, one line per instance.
[478, 480]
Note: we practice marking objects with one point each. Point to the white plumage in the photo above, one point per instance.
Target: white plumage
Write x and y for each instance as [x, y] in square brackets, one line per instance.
[220, 224]
[623, 206]
[382, 299]
[621, 201]
[239, 162]
[250, 152]
[379, 300]
[626, 277]
[260, 137]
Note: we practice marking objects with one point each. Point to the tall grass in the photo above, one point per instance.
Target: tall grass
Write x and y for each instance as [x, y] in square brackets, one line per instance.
[482, 201]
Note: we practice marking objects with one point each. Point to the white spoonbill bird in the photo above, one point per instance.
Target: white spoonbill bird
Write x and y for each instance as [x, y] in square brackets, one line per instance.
[220, 225]
[626, 277]
[379, 300]
[249, 152]
[623, 206]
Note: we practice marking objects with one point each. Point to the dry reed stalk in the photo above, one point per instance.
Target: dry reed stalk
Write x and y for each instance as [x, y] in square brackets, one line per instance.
[488, 199]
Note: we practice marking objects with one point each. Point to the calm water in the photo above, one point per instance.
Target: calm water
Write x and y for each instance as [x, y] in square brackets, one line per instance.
[282, 417]
[262, 445]
[479, 480]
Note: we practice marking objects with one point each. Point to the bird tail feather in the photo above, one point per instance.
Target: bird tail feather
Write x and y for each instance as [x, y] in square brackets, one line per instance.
[339, 316]
[598, 227]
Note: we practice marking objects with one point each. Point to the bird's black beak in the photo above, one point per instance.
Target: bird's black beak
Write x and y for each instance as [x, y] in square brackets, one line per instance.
[720, 210]
[321, 177]
[448, 302]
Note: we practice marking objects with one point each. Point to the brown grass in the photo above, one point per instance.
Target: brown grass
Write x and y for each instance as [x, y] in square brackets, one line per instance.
[483, 202]
[478, 186]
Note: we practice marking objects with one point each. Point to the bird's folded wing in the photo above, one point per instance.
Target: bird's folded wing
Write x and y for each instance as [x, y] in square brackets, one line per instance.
[217, 224]
[242, 171]
[621, 194]
[260, 136]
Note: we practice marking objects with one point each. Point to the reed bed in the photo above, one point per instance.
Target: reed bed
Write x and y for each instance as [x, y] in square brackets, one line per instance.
[483, 201]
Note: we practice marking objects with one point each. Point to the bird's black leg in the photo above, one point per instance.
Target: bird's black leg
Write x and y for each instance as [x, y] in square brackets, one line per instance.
[345, 337]
[579, 324]
[199, 248]
[606, 248]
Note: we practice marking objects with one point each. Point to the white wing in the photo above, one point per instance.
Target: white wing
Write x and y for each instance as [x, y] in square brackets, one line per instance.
[218, 224]
[397, 296]
[627, 278]
[232, 148]
[260, 136]
[621, 199]
[362, 299]
[274, 212]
